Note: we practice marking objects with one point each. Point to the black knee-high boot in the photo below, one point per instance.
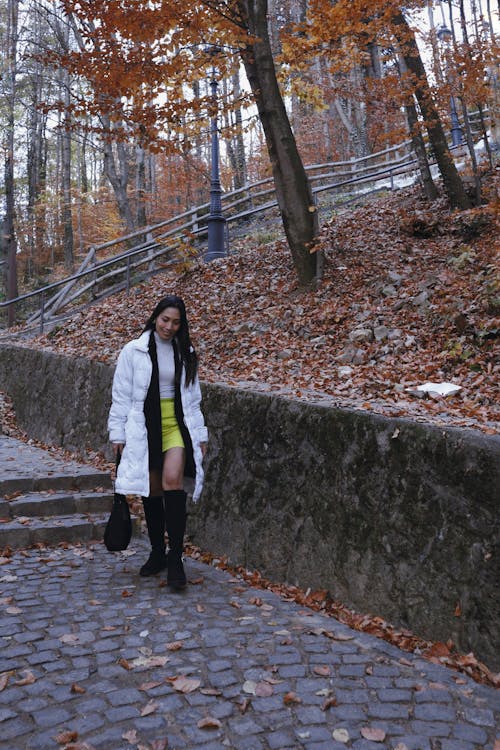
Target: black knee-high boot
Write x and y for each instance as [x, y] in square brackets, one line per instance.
[155, 521]
[175, 521]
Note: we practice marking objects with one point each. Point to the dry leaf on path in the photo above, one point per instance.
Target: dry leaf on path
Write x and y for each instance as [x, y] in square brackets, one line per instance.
[263, 689]
[290, 698]
[149, 708]
[69, 638]
[185, 684]
[249, 686]
[244, 705]
[174, 645]
[160, 744]
[145, 686]
[4, 679]
[329, 703]
[130, 736]
[149, 661]
[322, 670]
[341, 735]
[373, 734]
[64, 737]
[28, 679]
[209, 722]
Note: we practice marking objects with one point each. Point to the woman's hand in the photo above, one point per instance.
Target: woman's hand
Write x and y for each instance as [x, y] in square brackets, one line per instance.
[203, 447]
[118, 448]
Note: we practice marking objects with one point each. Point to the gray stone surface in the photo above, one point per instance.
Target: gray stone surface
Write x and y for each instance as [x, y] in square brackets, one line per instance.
[97, 600]
[389, 515]
[86, 662]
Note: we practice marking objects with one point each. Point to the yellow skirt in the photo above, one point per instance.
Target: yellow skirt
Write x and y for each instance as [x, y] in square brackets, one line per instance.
[170, 433]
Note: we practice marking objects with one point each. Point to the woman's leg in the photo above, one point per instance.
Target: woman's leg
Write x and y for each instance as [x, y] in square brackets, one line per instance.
[175, 514]
[155, 522]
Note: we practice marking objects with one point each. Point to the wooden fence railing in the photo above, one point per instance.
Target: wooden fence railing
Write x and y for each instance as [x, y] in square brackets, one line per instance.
[150, 249]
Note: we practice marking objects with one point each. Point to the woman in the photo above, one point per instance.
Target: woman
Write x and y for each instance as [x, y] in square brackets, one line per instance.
[155, 423]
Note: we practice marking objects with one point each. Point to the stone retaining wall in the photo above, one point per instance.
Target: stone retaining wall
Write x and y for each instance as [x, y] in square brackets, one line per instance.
[391, 516]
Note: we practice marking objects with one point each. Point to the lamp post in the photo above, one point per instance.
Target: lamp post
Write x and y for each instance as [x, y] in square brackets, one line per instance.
[445, 35]
[216, 223]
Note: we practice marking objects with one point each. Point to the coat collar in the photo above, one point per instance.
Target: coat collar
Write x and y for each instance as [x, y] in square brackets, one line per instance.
[142, 342]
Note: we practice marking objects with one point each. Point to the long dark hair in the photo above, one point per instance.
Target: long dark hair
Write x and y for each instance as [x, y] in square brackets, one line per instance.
[187, 353]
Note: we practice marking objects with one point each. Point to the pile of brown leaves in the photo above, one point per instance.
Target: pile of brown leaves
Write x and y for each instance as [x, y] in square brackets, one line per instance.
[410, 294]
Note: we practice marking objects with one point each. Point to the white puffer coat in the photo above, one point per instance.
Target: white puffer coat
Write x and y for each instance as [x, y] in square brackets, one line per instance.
[127, 423]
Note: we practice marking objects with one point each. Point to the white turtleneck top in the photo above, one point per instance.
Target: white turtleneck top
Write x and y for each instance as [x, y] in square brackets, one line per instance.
[166, 367]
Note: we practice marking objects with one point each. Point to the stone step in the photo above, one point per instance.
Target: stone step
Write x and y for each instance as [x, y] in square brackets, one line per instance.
[23, 482]
[52, 503]
[80, 527]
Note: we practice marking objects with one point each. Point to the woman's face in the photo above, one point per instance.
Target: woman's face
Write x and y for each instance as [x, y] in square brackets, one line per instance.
[168, 323]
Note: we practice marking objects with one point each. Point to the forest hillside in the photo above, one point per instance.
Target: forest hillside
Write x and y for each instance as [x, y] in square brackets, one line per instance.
[410, 294]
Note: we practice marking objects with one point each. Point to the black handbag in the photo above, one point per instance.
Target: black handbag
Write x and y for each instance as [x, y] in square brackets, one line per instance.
[118, 531]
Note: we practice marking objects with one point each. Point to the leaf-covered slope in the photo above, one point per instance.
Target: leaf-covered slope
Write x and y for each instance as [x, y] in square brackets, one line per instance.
[410, 294]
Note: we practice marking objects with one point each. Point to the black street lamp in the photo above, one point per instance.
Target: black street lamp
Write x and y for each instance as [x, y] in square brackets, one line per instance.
[216, 223]
[445, 35]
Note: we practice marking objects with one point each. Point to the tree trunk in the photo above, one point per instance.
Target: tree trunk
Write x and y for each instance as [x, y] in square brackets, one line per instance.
[117, 172]
[140, 186]
[239, 143]
[292, 186]
[9, 236]
[451, 179]
[417, 143]
[67, 208]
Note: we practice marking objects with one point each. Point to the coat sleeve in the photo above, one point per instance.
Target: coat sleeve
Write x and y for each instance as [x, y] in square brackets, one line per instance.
[121, 397]
[198, 421]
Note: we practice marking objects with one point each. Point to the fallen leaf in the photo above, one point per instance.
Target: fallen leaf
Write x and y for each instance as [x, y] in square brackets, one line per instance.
[64, 737]
[263, 690]
[149, 661]
[159, 744]
[341, 735]
[130, 736]
[70, 638]
[149, 708]
[329, 703]
[249, 686]
[290, 698]
[373, 734]
[174, 645]
[210, 691]
[185, 684]
[243, 705]
[28, 679]
[124, 663]
[4, 679]
[209, 723]
[322, 670]
[78, 689]
[145, 686]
